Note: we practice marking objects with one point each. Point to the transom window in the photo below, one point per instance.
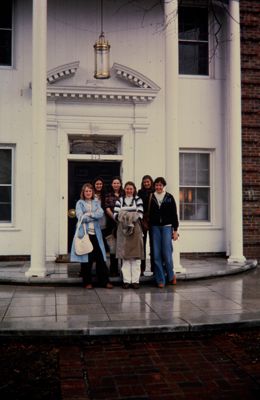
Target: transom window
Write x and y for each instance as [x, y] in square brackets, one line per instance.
[6, 184]
[193, 41]
[194, 186]
[6, 32]
[95, 145]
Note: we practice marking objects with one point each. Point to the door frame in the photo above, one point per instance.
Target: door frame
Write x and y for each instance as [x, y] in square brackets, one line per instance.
[126, 158]
[114, 169]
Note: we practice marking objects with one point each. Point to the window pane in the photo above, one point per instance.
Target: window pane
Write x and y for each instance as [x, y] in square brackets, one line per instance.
[5, 212]
[5, 166]
[203, 178]
[201, 213]
[5, 47]
[6, 14]
[203, 161]
[203, 169]
[189, 212]
[202, 196]
[5, 194]
[189, 169]
[193, 23]
[193, 58]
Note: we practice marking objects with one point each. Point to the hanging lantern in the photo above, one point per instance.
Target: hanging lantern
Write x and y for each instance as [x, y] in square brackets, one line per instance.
[102, 49]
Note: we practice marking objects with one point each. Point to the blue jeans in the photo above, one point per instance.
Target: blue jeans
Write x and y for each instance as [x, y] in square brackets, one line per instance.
[162, 250]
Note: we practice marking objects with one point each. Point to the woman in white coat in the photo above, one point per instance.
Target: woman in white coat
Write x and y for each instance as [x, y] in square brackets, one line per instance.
[89, 210]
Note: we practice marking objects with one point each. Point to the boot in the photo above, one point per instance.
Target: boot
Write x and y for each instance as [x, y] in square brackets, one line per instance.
[113, 265]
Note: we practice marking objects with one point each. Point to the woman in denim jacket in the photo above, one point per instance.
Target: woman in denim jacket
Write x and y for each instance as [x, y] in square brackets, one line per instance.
[90, 210]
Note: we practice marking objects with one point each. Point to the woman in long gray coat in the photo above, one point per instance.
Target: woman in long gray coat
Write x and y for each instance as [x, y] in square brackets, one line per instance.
[89, 211]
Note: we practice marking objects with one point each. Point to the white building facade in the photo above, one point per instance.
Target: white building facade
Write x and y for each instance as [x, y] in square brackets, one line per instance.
[170, 108]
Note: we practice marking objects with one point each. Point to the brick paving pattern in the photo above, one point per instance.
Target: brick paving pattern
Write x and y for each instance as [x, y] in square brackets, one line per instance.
[216, 366]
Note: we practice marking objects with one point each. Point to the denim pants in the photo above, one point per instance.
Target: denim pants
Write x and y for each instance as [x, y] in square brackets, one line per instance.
[162, 251]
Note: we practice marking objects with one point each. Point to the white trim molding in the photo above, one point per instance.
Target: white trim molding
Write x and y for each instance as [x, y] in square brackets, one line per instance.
[62, 72]
[143, 91]
[134, 77]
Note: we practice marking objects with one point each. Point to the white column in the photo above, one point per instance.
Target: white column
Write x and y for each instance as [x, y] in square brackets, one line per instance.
[171, 109]
[38, 208]
[235, 136]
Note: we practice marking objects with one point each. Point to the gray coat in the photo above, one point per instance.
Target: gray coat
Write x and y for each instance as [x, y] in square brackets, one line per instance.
[129, 242]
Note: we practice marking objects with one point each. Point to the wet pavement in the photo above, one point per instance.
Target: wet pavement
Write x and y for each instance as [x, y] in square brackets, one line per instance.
[228, 297]
[199, 339]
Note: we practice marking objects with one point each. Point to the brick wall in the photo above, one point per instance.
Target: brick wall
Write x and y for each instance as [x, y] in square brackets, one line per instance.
[250, 59]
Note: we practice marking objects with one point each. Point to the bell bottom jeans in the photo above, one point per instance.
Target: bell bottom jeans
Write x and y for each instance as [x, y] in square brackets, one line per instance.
[162, 251]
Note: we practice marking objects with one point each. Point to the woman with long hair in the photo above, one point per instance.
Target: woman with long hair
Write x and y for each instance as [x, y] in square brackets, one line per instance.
[128, 211]
[89, 211]
[112, 196]
[145, 193]
[100, 195]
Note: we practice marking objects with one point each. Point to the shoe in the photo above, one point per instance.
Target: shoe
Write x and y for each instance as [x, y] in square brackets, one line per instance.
[173, 281]
[89, 286]
[125, 286]
[136, 286]
[109, 285]
[160, 285]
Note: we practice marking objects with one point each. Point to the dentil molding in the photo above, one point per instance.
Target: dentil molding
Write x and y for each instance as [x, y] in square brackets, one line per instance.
[139, 88]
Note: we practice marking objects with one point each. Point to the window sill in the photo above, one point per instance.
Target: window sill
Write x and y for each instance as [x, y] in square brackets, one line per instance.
[9, 229]
[199, 226]
[6, 67]
[205, 77]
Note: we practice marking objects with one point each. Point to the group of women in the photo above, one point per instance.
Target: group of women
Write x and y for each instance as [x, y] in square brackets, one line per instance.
[118, 222]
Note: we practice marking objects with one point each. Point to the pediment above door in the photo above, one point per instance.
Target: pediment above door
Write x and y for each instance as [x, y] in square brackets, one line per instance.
[126, 85]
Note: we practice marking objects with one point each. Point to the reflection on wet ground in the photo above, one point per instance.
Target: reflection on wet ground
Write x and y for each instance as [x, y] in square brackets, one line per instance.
[189, 306]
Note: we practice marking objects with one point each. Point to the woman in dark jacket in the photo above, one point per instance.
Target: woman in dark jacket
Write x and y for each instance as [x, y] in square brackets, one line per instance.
[164, 225]
[145, 192]
[115, 192]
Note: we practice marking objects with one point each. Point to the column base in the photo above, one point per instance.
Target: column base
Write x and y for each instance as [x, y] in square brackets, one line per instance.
[35, 272]
[241, 260]
[179, 269]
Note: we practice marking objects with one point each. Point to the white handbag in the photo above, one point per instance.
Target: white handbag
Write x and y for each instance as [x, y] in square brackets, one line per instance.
[83, 245]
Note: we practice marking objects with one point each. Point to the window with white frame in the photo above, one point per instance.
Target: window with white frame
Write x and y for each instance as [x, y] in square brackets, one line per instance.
[6, 32]
[195, 186]
[6, 184]
[193, 41]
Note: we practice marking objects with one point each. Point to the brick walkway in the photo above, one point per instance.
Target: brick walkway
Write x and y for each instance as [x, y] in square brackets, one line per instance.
[216, 366]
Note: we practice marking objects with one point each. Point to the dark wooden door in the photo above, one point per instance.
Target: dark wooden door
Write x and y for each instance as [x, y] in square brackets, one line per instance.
[81, 172]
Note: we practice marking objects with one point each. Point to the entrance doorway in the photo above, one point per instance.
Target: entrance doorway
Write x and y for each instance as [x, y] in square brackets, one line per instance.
[80, 172]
